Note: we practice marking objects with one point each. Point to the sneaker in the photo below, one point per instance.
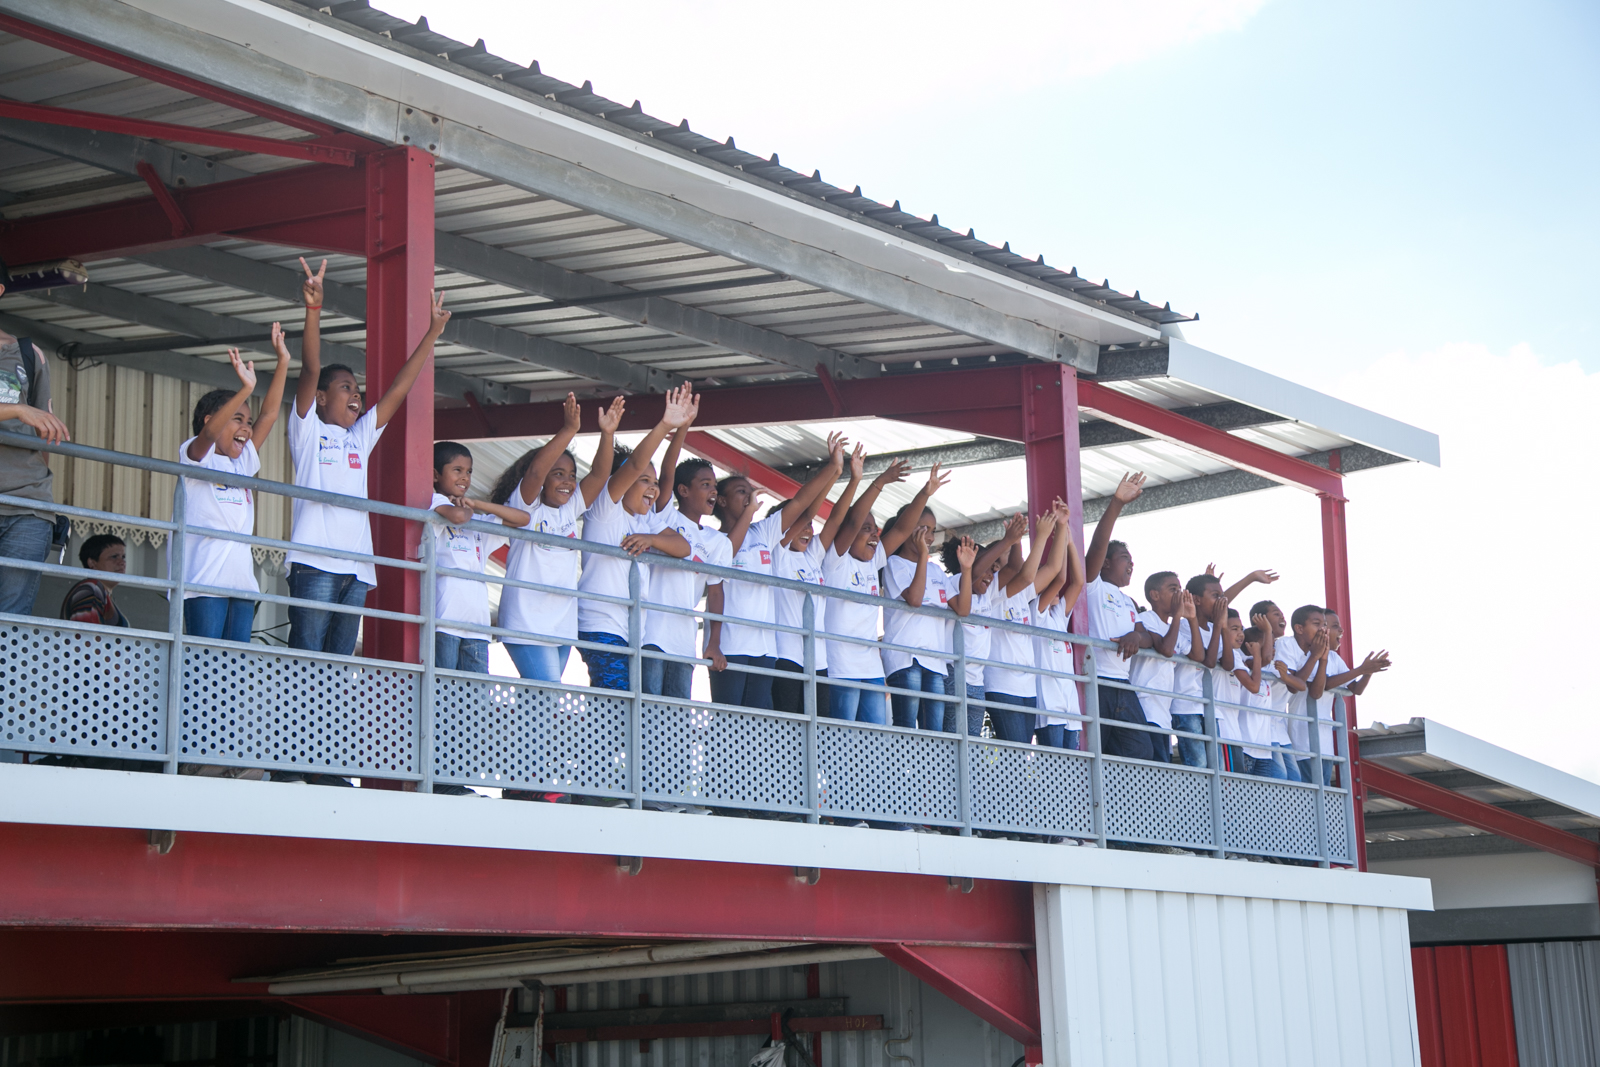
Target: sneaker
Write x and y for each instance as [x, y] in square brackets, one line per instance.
[533, 794]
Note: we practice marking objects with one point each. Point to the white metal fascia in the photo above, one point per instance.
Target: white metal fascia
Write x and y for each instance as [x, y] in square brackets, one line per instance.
[64, 796]
[1237, 381]
[339, 77]
[1479, 756]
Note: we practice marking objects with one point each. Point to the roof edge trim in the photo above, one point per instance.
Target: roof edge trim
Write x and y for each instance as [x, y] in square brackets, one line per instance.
[1503, 765]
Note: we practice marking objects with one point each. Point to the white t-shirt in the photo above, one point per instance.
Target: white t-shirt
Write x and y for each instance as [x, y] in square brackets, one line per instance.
[848, 619]
[790, 606]
[334, 460]
[1155, 672]
[748, 600]
[1006, 646]
[977, 640]
[677, 588]
[607, 522]
[1336, 665]
[531, 611]
[910, 629]
[210, 560]
[1277, 697]
[1187, 674]
[462, 599]
[1112, 613]
[1225, 689]
[1260, 731]
[1294, 657]
[1055, 694]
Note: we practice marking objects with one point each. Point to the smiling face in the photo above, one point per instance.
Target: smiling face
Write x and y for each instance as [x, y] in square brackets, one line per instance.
[560, 483]
[982, 581]
[802, 537]
[1279, 622]
[1118, 568]
[866, 542]
[697, 497]
[236, 435]
[1335, 628]
[640, 499]
[454, 478]
[340, 404]
[1233, 634]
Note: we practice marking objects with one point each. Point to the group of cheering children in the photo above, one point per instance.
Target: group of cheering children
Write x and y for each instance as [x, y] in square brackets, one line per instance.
[1276, 665]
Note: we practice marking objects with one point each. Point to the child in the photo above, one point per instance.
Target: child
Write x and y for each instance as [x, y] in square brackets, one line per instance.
[1305, 654]
[331, 440]
[1010, 684]
[1203, 644]
[1170, 606]
[799, 559]
[225, 440]
[1341, 676]
[1260, 731]
[90, 600]
[1113, 616]
[544, 483]
[1058, 696]
[462, 599]
[1269, 619]
[1227, 690]
[986, 597]
[909, 577]
[752, 543]
[853, 563]
[625, 515]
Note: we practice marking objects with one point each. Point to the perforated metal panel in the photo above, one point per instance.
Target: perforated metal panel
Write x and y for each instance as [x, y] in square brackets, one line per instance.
[509, 732]
[280, 709]
[1264, 816]
[83, 691]
[888, 774]
[1028, 788]
[1338, 828]
[1157, 803]
[723, 758]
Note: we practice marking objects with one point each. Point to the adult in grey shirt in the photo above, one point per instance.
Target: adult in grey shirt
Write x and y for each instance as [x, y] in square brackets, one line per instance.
[24, 472]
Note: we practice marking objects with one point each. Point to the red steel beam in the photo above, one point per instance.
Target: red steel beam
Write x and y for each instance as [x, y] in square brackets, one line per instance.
[729, 458]
[1235, 451]
[310, 151]
[92, 877]
[997, 985]
[83, 49]
[321, 200]
[1464, 809]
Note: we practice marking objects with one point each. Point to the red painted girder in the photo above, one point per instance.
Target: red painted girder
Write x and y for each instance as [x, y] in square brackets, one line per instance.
[1235, 451]
[662, 1031]
[116, 60]
[1446, 802]
[310, 151]
[995, 984]
[112, 878]
[729, 458]
[316, 194]
[425, 1027]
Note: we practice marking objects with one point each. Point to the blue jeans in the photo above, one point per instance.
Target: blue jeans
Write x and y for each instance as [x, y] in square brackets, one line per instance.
[857, 705]
[1191, 752]
[665, 678]
[21, 537]
[1308, 772]
[1291, 767]
[541, 663]
[1056, 735]
[918, 711]
[1123, 705]
[607, 670]
[325, 631]
[216, 616]
[452, 653]
[1264, 766]
[742, 688]
[974, 712]
[1013, 725]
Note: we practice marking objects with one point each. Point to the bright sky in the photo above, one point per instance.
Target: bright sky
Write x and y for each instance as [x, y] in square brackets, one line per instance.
[1394, 203]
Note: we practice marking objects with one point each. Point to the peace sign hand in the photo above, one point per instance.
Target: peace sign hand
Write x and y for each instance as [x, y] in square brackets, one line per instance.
[311, 288]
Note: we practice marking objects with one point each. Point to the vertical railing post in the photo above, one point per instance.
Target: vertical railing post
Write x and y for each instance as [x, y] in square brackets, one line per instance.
[175, 672]
[1097, 782]
[427, 698]
[1341, 738]
[808, 619]
[1214, 753]
[1315, 733]
[635, 687]
[958, 677]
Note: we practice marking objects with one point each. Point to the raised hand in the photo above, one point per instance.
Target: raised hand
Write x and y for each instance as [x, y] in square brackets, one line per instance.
[278, 343]
[1219, 614]
[1253, 650]
[1261, 622]
[1264, 576]
[920, 542]
[1375, 662]
[1186, 605]
[611, 415]
[571, 415]
[1319, 645]
[245, 371]
[678, 413]
[1044, 525]
[937, 479]
[1129, 488]
[1016, 528]
[1062, 510]
[311, 288]
[894, 472]
[967, 553]
[858, 460]
[437, 315]
[835, 444]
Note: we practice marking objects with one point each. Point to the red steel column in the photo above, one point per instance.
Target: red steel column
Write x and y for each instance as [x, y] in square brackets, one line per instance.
[399, 288]
[1336, 586]
[1050, 443]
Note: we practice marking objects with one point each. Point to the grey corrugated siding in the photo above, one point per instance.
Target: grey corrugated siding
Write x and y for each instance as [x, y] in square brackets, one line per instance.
[1555, 996]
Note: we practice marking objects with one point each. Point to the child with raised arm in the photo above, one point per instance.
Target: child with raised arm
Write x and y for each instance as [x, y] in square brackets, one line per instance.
[1113, 616]
[1304, 652]
[1013, 684]
[753, 542]
[1260, 731]
[910, 576]
[1057, 597]
[1342, 676]
[799, 559]
[226, 439]
[985, 604]
[1269, 620]
[625, 515]
[544, 483]
[1163, 621]
[1201, 638]
[462, 599]
[853, 563]
[331, 437]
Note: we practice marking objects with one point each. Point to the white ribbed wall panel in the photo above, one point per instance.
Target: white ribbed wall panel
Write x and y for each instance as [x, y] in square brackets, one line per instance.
[1142, 977]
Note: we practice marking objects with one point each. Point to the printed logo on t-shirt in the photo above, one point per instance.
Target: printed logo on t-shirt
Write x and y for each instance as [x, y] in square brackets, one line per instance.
[328, 452]
[766, 558]
[354, 460]
[13, 384]
[230, 494]
[942, 599]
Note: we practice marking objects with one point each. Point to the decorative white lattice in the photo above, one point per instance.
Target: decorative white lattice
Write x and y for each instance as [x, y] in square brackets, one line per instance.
[1261, 815]
[1030, 789]
[723, 758]
[891, 775]
[81, 691]
[1338, 829]
[1157, 803]
[525, 735]
[278, 709]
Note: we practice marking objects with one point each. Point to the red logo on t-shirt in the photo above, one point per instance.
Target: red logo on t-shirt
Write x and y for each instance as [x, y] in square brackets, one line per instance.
[355, 461]
[766, 558]
[941, 597]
